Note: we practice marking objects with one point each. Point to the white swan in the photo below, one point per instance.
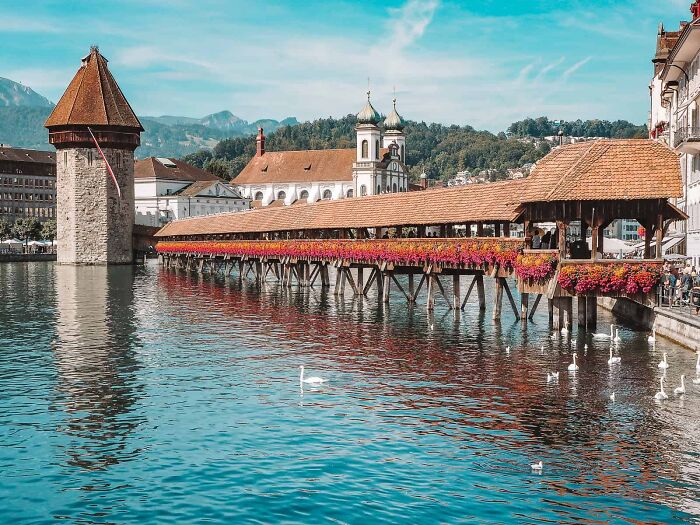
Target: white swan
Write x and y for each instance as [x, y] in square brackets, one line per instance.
[613, 360]
[565, 330]
[652, 337]
[573, 366]
[661, 394]
[664, 364]
[537, 466]
[680, 389]
[313, 380]
[554, 376]
[617, 339]
[612, 396]
[603, 335]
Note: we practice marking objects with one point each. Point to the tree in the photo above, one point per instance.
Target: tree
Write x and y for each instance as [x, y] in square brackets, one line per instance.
[5, 229]
[199, 158]
[26, 229]
[48, 230]
[219, 167]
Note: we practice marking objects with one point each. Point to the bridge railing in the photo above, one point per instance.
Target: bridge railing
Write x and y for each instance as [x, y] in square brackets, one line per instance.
[475, 252]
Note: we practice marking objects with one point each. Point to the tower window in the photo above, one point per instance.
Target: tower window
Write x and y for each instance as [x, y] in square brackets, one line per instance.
[363, 190]
[365, 149]
[394, 187]
[403, 152]
[376, 150]
[281, 195]
[327, 194]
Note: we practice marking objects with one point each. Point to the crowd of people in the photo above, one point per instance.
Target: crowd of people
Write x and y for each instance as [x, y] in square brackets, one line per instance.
[680, 286]
[545, 241]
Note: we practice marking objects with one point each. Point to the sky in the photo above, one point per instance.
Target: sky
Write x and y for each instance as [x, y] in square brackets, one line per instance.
[485, 63]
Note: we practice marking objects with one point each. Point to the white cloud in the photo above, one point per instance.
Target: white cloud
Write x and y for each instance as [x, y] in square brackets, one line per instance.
[408, 23]
[578, 65]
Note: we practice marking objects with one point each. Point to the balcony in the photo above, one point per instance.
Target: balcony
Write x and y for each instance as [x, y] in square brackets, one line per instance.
[687, 140]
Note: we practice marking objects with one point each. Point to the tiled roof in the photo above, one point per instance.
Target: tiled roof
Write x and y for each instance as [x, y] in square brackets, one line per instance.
[606, 170]
[93, 98]
[299, 166]
[152, 168]
[27, 155]
[478, 202]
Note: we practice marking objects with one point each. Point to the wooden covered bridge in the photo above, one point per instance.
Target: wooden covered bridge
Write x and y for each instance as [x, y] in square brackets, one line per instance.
[431, 235]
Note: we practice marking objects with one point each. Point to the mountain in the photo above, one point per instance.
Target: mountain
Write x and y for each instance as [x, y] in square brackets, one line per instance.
[13, 94]
[225, 121]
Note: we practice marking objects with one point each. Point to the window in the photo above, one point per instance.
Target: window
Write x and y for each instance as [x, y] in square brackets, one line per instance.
[403, 152]
[327, 194]
[376, 150]
[89, 158]
[388, 188]
[394, 188]
[349, 194]
[258, 196]
[379, 189]
[281, 195]
[365, 148]
[363, 190]
[304, 194]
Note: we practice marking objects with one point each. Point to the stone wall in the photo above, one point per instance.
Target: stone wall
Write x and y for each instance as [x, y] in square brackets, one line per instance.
[94, 226]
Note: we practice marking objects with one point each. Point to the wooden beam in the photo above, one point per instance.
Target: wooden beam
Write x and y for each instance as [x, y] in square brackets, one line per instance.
[442, 291]
[393, 278]
[524, 305]
[480, 291]
[538, 298]
[469, 292]
[510, 297]
[420, 285]
[498, 299]
[456, 292]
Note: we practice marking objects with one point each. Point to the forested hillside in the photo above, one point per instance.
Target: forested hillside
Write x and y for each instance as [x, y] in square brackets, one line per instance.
[438, 150]
[543, 127]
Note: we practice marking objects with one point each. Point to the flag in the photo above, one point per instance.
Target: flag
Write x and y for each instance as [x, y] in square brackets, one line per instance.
[109, 168]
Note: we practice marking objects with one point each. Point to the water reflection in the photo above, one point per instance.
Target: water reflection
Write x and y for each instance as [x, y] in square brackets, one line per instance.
[94, 354]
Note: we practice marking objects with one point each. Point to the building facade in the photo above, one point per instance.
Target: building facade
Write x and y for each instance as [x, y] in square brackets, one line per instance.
[376, 165]
[674, 119]
[169, 189]
[27, 184]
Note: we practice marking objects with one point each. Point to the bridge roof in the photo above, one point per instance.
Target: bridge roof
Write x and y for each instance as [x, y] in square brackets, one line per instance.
[603, 170]
[493, 202]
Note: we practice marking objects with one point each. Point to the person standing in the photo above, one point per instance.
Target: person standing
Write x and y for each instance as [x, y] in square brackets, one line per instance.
[536, 240]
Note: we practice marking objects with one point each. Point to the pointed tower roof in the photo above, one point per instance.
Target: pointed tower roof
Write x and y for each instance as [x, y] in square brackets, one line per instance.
[394, 121]
[93, 98]
[368, 115]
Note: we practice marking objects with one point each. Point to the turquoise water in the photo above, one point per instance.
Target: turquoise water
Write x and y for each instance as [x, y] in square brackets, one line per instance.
[132, 395]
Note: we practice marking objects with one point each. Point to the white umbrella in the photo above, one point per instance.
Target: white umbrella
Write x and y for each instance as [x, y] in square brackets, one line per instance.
[12, 241]
[612, 245]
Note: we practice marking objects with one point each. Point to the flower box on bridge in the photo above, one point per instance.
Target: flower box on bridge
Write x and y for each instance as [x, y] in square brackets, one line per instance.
[631, 278]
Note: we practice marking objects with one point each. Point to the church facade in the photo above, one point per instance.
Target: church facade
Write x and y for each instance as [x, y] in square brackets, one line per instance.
[376, 165]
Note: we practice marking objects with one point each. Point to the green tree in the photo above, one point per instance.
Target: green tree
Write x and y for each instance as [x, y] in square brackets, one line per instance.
[48, 230]
[26, 229]
[219, 167]
[5, 229]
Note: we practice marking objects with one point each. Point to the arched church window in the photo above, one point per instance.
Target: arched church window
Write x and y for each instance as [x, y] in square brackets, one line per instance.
[304, 194]
[376, 150]
[363, 190]
[403, 152]
[258, 196]
[327, 194]
[365, 149]
[394, 188]
[281, 195]
[349, 194]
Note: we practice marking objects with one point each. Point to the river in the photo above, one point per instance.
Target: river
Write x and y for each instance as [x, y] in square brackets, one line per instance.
[134, 395]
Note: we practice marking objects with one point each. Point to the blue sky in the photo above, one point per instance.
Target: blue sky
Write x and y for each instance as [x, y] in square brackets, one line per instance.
[480, 62]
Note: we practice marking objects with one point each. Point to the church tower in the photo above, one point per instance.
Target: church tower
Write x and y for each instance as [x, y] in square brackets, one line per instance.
[368, 150]
[393, 132]
[94, 198]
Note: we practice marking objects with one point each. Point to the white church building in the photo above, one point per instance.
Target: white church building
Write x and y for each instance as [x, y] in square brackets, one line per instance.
[376, 165]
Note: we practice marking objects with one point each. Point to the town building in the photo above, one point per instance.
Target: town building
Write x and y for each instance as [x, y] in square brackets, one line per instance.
[376, 165]
[675, 121]
[27, 184]
[168, 189]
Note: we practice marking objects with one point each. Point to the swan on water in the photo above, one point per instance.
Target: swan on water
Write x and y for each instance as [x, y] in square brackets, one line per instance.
[652, 337]
[613, 360]
[565, 330]
[537, 466]
[661, 394]
[573, 366]
[313, 380]
[603, 335]
[680, 389]
[612, 396]
[617, 339]
[664, 364]
[554, 376]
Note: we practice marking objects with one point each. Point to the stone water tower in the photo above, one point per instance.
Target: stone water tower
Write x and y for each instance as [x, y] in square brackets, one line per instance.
[94, 211]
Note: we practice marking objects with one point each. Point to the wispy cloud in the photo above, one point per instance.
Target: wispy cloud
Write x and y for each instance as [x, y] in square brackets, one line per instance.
[408, 23]
[578, 65]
